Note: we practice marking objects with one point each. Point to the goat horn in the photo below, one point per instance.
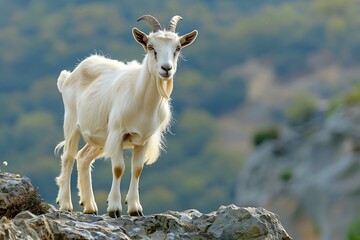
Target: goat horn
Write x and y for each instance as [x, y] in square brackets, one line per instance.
[173, 23]
[154, 23]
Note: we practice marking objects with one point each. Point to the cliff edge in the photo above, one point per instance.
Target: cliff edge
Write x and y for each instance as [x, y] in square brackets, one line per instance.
[24, 215]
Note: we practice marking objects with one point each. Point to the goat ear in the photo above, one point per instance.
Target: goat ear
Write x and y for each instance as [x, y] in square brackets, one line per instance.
[140, 37]
[187, 39]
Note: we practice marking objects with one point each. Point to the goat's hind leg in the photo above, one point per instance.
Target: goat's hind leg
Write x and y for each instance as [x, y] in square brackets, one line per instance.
[63, 180]
[84, 159]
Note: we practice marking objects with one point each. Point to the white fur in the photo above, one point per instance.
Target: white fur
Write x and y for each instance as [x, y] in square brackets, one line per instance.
[115, 106]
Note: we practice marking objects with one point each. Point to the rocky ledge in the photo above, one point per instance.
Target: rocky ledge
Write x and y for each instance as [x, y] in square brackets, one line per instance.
[39, 220]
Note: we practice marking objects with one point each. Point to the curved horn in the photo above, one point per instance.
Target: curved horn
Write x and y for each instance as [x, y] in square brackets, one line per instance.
[154, 23]
[173, 23]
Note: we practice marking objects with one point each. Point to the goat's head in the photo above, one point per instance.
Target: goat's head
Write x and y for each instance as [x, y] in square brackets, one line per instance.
[163, 46]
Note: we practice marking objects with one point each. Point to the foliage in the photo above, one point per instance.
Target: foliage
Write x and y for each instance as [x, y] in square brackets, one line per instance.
[301, 109]
[350, 98]
[353, 232]
[264, 134]
[286, 175]
[353, 96]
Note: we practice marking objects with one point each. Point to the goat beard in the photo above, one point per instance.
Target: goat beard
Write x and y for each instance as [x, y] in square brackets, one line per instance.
[164, 87]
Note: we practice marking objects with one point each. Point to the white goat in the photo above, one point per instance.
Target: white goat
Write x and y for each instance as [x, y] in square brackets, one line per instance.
[116, 106]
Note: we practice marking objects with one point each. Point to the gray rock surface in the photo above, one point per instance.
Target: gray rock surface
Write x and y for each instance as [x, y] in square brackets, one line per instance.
[310, 178]
[228, 222]
[17, 194]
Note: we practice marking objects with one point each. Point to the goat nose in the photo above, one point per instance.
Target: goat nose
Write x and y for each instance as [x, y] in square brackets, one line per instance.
[166, 67]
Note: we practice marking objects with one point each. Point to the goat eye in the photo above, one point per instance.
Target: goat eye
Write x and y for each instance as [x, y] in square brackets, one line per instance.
[178, 48]
[150, 48]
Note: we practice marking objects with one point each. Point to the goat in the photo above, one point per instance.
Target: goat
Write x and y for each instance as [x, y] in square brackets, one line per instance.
[116, 106]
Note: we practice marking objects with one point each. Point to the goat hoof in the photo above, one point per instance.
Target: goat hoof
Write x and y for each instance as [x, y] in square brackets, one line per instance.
[65, 211]
[136, 214]
[91, 213]
[114, 214]
[125, 202]
[81, 204]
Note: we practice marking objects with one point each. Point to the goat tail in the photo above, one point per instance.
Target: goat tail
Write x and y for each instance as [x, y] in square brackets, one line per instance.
[61, 79]
[59, 147]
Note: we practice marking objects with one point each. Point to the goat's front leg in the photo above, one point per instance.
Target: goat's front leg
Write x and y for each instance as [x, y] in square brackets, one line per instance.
[132, 198]
[114, 199]
[118, 167]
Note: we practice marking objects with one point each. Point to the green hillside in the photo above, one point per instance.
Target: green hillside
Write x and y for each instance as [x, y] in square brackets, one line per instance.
[40, 38]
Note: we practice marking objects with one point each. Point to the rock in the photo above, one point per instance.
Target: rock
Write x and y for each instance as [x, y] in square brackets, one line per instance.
[228, 222]
[310, 180]
[17, 194]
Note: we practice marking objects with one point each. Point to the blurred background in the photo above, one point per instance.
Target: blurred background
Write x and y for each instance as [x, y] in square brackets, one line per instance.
[265, 104]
